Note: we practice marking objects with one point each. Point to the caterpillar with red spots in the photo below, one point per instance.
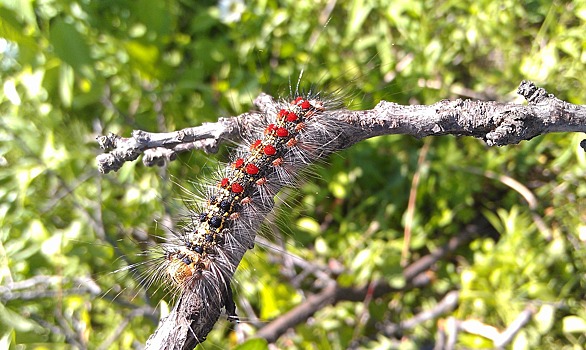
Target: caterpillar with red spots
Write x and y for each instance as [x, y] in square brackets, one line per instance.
[201, 258]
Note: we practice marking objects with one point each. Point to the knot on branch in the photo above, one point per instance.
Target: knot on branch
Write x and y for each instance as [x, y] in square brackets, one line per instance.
[532, 93]
[123, 150]
[512, 128]
[108, 142]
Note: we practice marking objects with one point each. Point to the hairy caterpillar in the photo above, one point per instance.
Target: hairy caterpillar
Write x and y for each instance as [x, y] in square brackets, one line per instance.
[203, 255]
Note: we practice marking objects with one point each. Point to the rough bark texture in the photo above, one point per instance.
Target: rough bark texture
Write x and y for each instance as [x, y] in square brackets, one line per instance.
[496, 123]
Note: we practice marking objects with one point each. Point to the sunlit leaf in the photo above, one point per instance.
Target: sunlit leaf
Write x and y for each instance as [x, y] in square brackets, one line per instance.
[574, 324]
[11, 29]
[12, 320]
[545, 318]
[253, 344]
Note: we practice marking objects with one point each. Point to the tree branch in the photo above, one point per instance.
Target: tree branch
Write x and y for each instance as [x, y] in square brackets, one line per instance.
[499, 339]
[415, 276]
[448, 303]
[498, 124]
[46, 287]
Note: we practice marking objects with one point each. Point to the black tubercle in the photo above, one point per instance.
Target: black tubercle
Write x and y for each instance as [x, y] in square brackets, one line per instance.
[225, 205]
[236, 208]
[216, 221]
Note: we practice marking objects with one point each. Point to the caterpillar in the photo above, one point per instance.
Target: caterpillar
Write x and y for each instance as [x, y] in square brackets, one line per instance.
[201, 257]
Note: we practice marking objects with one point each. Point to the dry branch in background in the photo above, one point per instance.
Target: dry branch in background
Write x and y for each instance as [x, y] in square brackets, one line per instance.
[496, 123]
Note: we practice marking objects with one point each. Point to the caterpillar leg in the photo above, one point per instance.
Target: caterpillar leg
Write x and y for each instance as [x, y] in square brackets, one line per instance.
[230, 306]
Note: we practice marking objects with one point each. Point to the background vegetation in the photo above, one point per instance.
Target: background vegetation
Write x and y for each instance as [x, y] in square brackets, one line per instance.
[74, 70]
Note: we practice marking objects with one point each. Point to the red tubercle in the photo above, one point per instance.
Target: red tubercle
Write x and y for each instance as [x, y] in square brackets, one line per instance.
[269, 150]
[291, 117]
[292, 142]
[305, 105]
[282, 132]
[238, 163]
[255, 145]
[245, 200]
[278, 161]
[269, 129]
[261, 181]
[251, 169]
[225, 182]
[234, 216]
[282, 113]
[237, 188]
[297, 100]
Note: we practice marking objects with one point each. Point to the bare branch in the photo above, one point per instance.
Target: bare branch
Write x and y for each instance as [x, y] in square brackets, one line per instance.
[143, 311]
[63, 330]
[46, 287]
[499, 339]
[509, 334]
[448, 303]
[205, 136]
[498, 124]
[415, 276]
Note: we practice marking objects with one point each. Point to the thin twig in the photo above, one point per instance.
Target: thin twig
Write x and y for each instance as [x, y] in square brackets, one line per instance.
[411, 204]
[122, 325]
[448, 303]
[499, 339]
[523, 191]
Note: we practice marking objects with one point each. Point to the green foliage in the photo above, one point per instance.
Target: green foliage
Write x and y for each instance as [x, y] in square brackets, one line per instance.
[73, 70]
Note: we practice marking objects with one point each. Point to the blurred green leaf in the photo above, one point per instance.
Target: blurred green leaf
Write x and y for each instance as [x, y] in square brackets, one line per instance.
[309, 225]
[145, 55]
[66, 85]
[253, 344]
[11, 29]
[521, 342]
[12, 320]
[6, 337]
[69, 45]
[545, 318]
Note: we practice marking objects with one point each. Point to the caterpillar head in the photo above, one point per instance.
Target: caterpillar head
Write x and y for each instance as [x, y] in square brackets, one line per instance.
[184, 266]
